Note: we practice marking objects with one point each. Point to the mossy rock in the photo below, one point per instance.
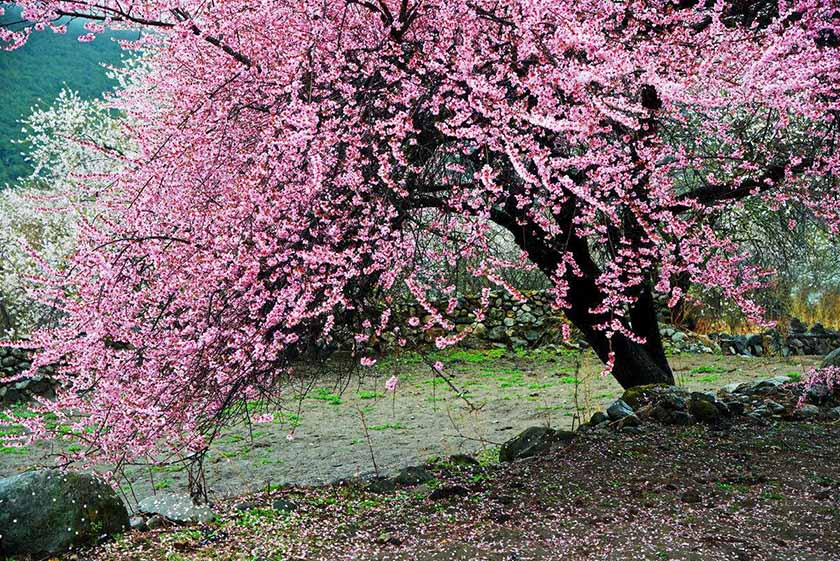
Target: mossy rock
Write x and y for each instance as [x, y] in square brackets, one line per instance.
[639, 396]
[44, 513]
[704, 411]
[533, 441]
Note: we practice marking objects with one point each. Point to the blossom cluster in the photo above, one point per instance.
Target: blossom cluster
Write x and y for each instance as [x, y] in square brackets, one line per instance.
[286, 152]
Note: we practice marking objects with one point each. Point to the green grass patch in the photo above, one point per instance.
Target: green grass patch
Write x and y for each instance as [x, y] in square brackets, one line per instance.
[708, 378]
[163, 484]
[708, 369]
[574, 380]
[388, 426]
[368, 394]
[284, 418]
[794, 376]
[517, 379]
[539, 386]
[256, 517]
[469, 356]
[14, 450]
[323, 394]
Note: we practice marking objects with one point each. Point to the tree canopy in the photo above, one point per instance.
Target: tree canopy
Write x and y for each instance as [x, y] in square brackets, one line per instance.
[290, 153]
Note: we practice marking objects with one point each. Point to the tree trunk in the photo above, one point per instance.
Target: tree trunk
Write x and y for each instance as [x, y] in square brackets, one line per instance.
[634, 364]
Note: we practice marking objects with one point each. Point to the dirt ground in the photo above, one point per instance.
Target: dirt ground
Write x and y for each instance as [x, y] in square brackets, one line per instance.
[345, 430]
[757, 492]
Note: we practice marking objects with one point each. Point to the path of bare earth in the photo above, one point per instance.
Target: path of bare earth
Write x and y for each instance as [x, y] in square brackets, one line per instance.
[424, 418]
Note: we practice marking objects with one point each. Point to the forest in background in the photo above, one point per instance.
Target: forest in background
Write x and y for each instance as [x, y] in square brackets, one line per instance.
[37, 72]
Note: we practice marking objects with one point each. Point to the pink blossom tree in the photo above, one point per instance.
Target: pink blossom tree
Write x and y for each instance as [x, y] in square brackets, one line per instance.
[290, 154]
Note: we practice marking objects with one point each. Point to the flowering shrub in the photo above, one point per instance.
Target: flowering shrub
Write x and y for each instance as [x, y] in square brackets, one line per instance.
[69, 145]
[828, 376]
[286, 149]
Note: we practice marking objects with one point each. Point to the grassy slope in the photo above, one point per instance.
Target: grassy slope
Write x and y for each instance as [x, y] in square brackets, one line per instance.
[37, 72]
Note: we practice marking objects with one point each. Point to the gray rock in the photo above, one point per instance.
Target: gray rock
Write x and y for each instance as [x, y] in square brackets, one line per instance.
[765, 386]
[831, 359]
[774, 408]
[533, 441]
[448, 491]
[177, 508]
[247, 505]
[808, 411]
[632, 429]
[598, 418]
[618, 410]
[283, 505]
[413, 475]
[834, 413]
[735, 407]
[47, 512]
[731, 388]
[681, 418]
[760, 411]
[137, 523]
[818, 394]
[155, 522]
[463, 461]
[704, 409]
[497, 334]
[630, 420]
[382, 485]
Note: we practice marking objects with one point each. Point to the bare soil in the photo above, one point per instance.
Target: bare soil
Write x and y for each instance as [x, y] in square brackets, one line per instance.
[757, 492]
[347, 430]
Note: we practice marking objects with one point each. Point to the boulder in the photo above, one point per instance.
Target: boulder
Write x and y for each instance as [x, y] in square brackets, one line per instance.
[640, 396]
[533, 441]
[705, 409]
[808, 411]
[413, 475]
[818, 394]
[774, 408]
[463, 461]
[831, 359]
[618, 410]
[283, 505]
[764, 386]
[44, 513]
[597, 418]
[177, 508]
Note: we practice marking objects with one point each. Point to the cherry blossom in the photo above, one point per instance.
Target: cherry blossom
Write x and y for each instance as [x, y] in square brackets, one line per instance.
[293, 158]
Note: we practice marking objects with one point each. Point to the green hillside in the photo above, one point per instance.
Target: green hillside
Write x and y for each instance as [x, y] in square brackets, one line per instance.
[37, 72]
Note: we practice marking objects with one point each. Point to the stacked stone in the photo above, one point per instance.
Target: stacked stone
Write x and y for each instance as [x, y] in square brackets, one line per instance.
[508, 321]
[14, 362]
[799, 340]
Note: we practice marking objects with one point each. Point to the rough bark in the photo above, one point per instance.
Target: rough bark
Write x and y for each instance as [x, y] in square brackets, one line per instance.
[635, 364]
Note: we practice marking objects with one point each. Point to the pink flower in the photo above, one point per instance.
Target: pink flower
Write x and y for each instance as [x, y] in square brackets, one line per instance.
[391, 384]
[367, 361]
[263, 419]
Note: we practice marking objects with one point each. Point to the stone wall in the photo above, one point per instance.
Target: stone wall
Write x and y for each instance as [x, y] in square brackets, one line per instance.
[17, 361]
[508, 322]
[799, 340]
